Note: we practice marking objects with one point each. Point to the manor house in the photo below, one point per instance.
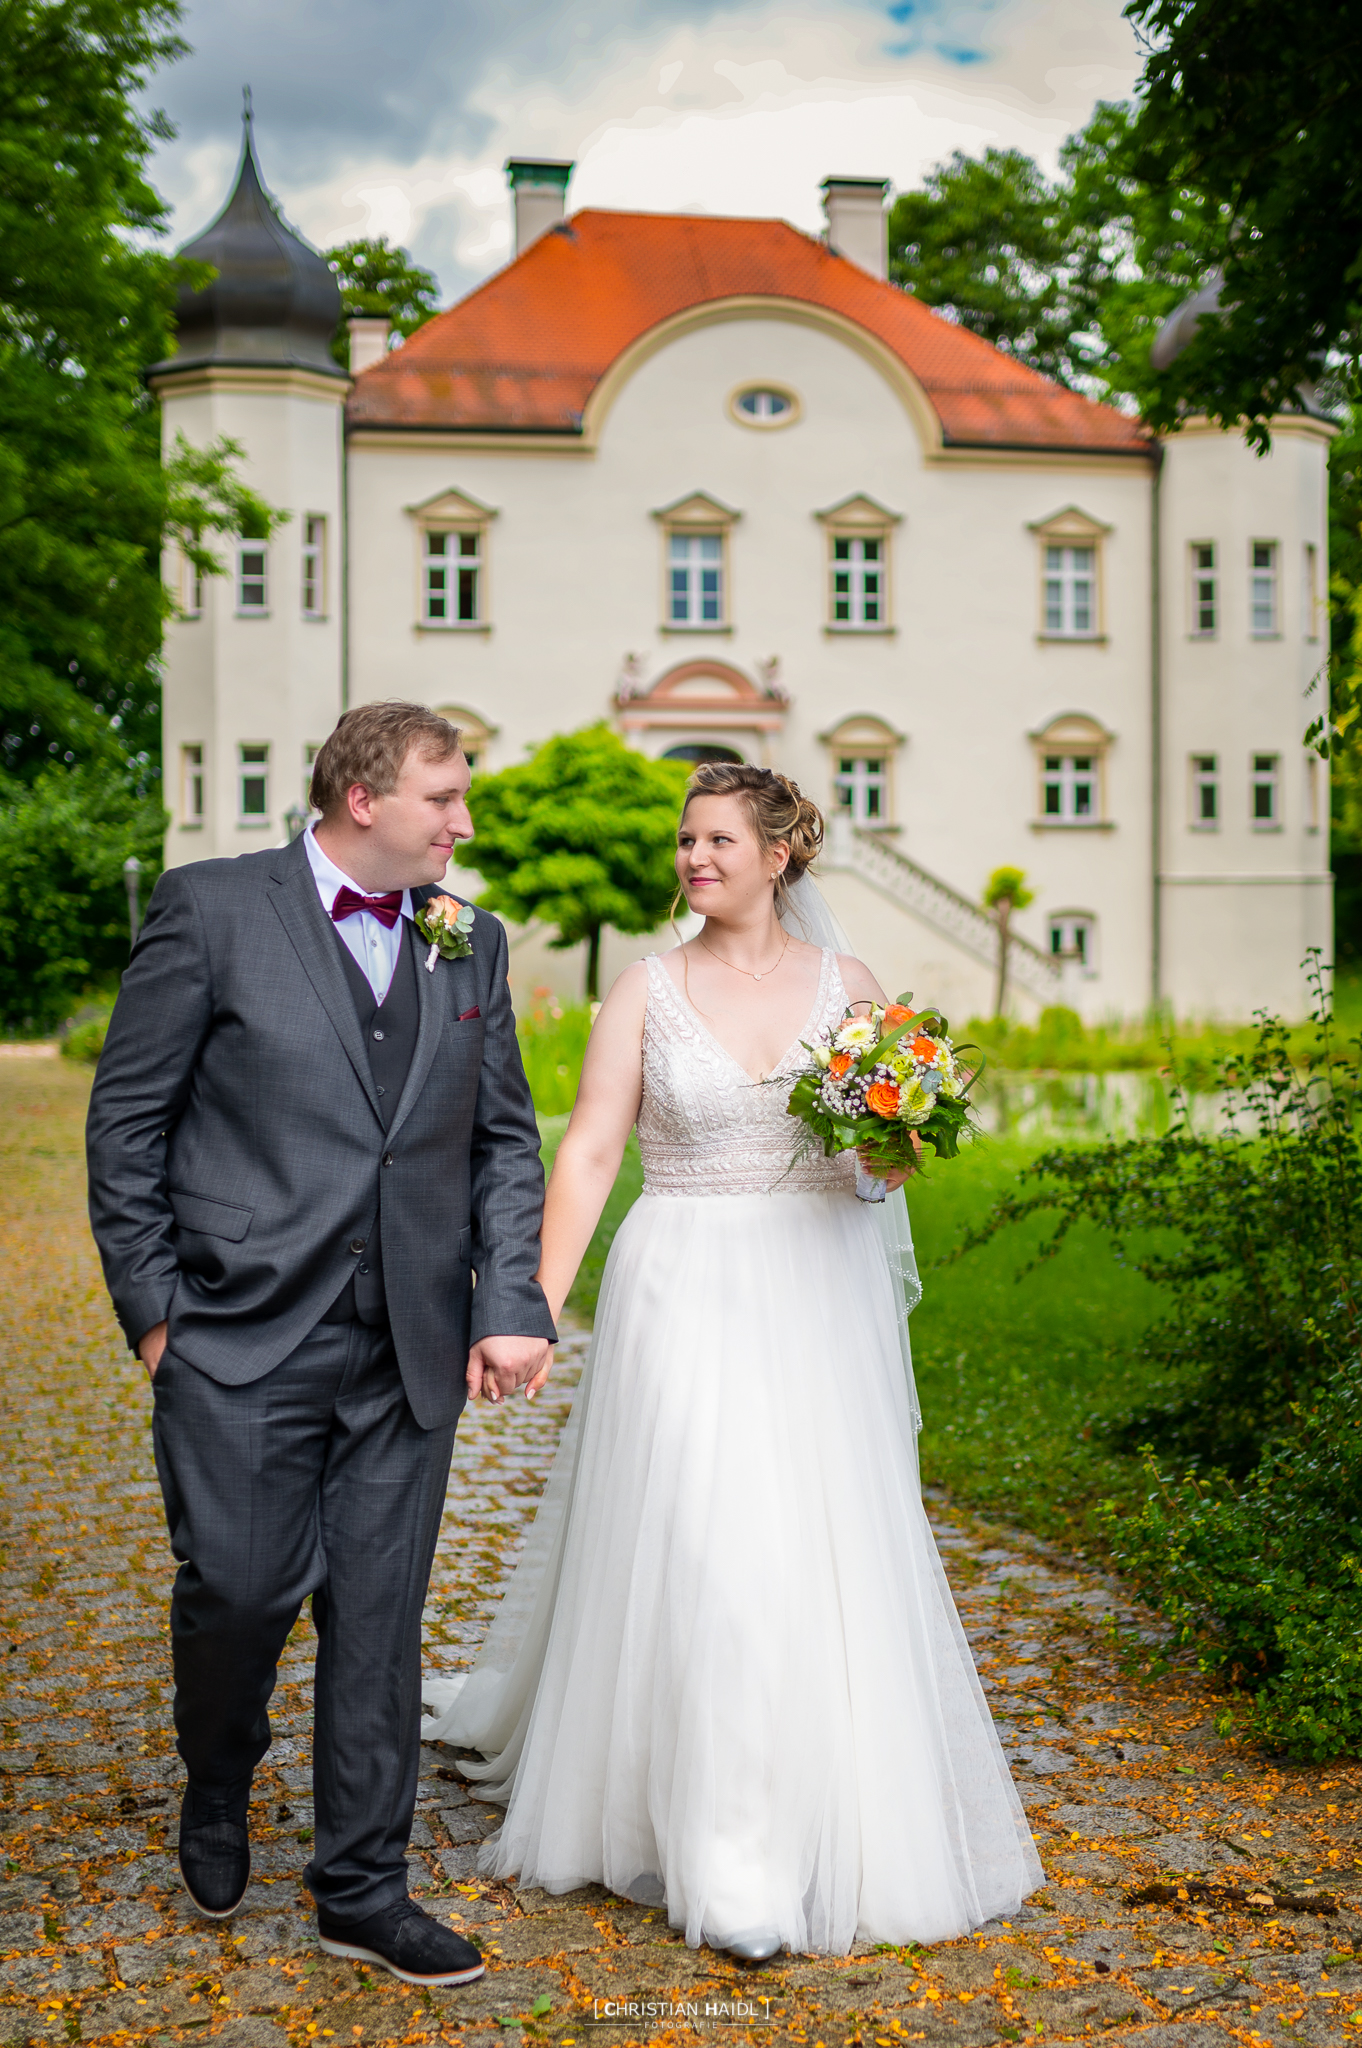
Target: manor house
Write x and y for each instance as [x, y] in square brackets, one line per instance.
[720, 483]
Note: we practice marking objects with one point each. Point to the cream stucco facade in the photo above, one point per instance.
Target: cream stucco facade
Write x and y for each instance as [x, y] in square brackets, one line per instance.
[972, 717]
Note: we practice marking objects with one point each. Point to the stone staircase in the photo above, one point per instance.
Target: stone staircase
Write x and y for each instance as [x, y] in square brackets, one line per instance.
[851, 850]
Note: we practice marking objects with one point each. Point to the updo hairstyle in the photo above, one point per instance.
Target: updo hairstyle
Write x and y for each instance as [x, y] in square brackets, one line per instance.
[780, 812]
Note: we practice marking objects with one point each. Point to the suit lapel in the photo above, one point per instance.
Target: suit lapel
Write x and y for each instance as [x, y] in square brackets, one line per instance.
[435, 994]
[295, 899]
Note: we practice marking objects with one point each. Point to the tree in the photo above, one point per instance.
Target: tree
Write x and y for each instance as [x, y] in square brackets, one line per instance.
[987, 242]
[1004, 892]
[85, 504]
[1252, 106]
[383, 282]
[1073, 277]
[581, 835]
[83, 307]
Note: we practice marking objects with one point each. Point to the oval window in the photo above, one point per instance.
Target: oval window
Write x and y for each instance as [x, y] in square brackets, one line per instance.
[764, 405]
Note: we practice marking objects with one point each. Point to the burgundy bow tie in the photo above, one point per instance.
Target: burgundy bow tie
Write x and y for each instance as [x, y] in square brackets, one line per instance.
[387, 909]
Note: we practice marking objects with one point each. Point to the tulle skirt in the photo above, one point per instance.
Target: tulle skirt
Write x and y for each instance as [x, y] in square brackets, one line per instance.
[728, 1672]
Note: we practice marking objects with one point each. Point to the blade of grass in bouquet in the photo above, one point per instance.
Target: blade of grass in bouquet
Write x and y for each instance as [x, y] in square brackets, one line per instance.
[891, 1038]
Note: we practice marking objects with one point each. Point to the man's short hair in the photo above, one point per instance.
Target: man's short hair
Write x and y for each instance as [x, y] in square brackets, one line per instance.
[371, 745]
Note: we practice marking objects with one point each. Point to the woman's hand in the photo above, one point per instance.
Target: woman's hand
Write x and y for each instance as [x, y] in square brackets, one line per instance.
[893, 1177]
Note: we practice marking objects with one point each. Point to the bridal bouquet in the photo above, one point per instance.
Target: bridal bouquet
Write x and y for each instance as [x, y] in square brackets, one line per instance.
[874, 1080]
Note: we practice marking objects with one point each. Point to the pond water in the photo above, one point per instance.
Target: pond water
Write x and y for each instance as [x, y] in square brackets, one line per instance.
[1067, 1106]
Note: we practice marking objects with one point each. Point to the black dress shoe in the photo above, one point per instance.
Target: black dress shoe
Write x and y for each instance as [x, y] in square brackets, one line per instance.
[403, 1939]
[215, 1847]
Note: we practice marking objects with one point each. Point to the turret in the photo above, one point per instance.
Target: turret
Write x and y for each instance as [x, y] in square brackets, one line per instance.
[253, 658]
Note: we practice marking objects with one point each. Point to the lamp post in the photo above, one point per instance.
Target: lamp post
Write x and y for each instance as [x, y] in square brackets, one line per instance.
[132, 868]
[295, 822]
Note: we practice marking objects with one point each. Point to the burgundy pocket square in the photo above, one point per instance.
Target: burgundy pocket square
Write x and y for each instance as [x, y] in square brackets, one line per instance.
[465, 1015]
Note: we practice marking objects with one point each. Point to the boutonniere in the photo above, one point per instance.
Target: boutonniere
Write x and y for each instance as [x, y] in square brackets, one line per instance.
[445, 924]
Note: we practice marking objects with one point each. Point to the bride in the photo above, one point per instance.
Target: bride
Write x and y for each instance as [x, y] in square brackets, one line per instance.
[728, 1674]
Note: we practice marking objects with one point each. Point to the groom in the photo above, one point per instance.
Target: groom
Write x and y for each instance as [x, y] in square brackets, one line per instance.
[307, 1134]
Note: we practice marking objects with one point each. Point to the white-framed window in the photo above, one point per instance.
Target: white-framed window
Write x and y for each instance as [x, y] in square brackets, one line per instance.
[191, 784]
[1205, 793]
[1073, 940]
[861, 754]
[1070, 593]
[1310, 591]
[862, 786]
[858, 580]
[695, 579]
[452, 579]
[1265, 792]
[314, 567]
[1205, 595]
[1069, 786]
[252, 579]
[253, 782]
[1263, 589]
[191, 590]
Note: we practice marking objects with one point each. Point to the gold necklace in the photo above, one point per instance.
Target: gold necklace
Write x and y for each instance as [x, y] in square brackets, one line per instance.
[746, 970]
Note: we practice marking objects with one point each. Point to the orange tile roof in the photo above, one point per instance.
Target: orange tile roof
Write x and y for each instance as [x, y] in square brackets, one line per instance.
[523, 352]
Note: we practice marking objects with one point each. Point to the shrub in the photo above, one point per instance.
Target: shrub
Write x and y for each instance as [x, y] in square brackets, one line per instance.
[1268, 1576]
[1256, 1233]
[85, 1040]
[63, 904]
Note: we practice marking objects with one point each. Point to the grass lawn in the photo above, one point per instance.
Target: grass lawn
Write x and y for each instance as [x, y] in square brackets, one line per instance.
[1009, 1372]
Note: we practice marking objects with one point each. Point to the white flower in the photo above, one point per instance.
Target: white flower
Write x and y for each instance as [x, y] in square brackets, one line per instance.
[858, 1035]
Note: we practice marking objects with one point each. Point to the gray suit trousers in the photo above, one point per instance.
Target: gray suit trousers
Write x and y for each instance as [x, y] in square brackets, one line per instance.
[313, 1480]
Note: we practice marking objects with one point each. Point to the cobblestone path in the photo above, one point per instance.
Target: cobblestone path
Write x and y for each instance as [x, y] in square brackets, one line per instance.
[1196, 1893]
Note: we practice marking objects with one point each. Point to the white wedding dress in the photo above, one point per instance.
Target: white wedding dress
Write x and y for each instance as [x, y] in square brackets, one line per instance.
[728, 1672]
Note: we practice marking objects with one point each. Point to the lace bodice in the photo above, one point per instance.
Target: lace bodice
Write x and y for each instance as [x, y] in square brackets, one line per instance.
[704, 1126]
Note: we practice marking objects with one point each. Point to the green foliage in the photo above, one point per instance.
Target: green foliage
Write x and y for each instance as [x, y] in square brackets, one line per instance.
[1073, 276]
[84, 306]
[1060, 1042]
[1267, 1577]
[85, 1040]
[204, 494]
[1007, 886]
[1258, 1234]
[1252, 106]
[553, 1038]
[64, 914]
[383, 282]
[988, 240]
[581, 835]
[1254, 1380]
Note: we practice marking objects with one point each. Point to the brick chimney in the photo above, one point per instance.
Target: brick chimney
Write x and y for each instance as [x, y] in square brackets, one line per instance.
[858, 225]
[539, 188]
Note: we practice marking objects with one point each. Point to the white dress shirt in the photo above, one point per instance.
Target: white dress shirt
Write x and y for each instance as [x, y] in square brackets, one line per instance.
[373, 945]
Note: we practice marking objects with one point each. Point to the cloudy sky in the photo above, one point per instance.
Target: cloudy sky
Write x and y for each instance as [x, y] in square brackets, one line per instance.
[396, 116]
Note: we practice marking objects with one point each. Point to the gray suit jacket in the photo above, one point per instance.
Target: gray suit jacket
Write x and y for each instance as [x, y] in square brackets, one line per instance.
[237, 1158]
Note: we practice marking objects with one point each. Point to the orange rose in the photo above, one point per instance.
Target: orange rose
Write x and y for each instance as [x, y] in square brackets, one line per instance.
[896, 1014]
[924, 1048]
[839, 1063]
[883, 1098]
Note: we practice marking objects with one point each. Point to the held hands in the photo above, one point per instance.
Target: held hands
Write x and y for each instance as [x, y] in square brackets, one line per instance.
[497, 1366]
